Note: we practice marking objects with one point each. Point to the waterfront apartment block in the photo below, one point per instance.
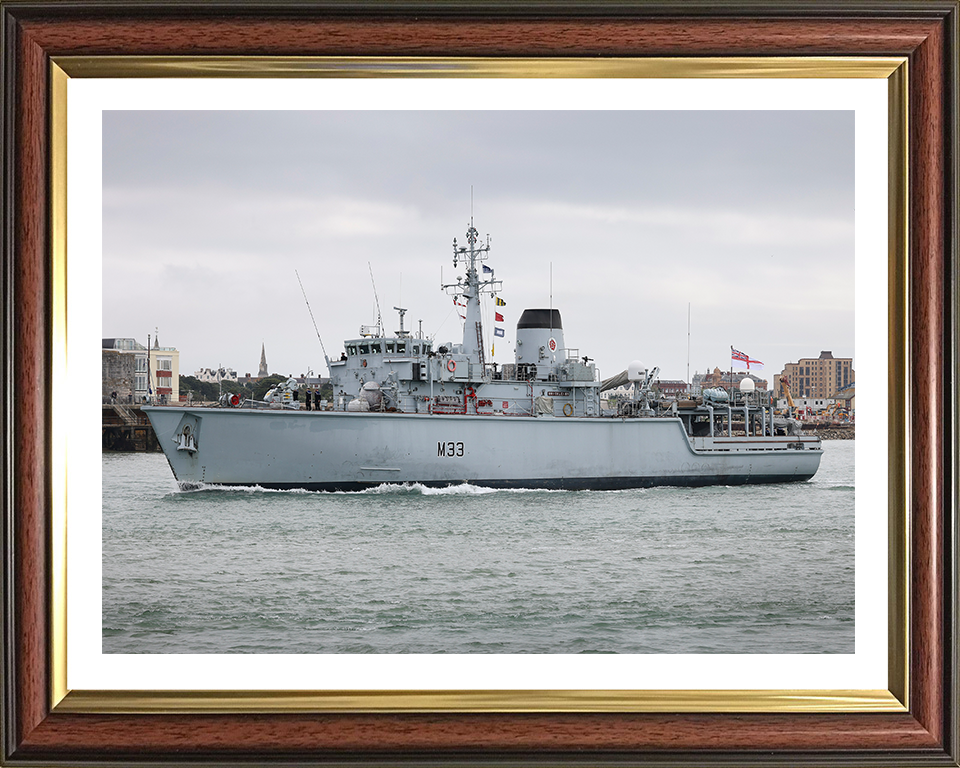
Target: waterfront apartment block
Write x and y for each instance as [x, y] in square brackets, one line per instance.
[817, 377]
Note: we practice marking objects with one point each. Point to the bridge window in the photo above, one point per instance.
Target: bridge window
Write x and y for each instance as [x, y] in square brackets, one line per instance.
[364, 349]
[351, 349]
[401, 347]
[389, 347]
[375, 348]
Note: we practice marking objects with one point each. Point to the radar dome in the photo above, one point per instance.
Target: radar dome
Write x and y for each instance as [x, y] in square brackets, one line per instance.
[636, 371]
[747, 385]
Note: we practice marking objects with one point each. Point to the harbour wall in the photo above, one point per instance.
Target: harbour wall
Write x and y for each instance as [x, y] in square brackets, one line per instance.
[823, 431]
[831, 431]
[126, 428]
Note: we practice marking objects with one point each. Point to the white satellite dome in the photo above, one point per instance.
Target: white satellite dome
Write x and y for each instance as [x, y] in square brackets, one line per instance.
[747, 385]
[636, 371]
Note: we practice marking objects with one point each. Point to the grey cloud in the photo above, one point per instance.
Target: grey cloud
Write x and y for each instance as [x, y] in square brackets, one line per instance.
[747, 216]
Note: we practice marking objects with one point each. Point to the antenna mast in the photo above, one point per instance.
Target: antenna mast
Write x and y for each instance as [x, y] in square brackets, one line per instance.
[322, 349]
[472, 256]
[149, 375]
[551, 301]
[377, 300]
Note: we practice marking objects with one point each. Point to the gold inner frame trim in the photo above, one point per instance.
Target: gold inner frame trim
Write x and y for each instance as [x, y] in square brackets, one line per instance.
[898, 412]
[230, 702]
[58, 387]
[893, 69]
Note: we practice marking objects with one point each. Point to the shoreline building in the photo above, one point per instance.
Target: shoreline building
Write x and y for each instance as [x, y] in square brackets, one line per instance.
[164, 369]
[215, 375]
[157, 370]
[723, 380]
[122, 358]
[118, 376]
[817, 377]
[671, 387]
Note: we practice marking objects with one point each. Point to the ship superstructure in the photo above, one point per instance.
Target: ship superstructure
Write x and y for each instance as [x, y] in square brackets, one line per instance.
[404, 373]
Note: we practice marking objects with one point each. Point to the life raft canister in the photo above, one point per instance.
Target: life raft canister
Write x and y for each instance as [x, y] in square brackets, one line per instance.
[451, 365]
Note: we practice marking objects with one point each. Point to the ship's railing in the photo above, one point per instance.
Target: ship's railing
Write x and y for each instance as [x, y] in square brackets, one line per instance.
[533, 371]
[738, 399]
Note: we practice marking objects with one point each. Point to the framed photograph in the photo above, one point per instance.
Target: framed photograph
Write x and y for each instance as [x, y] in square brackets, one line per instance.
[64, 704]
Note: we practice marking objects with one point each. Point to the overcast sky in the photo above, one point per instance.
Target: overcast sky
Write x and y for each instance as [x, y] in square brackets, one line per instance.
[747, 217]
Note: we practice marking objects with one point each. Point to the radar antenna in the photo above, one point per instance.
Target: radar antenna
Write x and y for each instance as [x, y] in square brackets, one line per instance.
[401, 333]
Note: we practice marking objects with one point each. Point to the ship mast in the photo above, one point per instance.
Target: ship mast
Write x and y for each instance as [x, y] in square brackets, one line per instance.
[470, 288]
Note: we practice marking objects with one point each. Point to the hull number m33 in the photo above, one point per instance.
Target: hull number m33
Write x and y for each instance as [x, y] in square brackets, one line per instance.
[450, 449]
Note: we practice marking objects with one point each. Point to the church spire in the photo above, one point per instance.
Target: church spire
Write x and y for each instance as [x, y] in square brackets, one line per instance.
[263, 362]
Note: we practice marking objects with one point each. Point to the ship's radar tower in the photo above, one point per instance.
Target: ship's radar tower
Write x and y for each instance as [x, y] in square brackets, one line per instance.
[402, 333]
[470, 288]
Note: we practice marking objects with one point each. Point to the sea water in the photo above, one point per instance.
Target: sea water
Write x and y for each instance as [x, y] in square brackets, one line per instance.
[408, 569]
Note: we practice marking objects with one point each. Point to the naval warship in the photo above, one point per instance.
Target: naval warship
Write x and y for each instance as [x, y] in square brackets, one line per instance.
[409, 410]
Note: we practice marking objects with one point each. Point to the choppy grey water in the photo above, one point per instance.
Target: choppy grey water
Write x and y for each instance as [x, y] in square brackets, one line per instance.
[757, 569]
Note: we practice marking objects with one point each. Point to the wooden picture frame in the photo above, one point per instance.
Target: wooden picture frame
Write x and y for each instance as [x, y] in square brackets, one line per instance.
[38, 726]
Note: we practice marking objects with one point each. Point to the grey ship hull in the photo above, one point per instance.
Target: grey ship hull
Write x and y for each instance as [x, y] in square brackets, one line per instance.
[337, 451]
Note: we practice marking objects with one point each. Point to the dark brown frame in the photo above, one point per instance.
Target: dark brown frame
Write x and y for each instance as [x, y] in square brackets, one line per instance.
[924, 32]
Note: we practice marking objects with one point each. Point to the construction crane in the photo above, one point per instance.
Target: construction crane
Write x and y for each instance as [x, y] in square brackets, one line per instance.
[785, 391]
